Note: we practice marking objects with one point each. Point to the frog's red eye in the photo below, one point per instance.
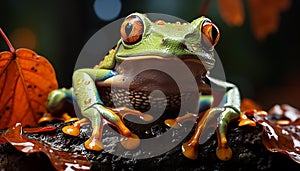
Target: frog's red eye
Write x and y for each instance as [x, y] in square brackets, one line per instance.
[132, 29]
[211, 32]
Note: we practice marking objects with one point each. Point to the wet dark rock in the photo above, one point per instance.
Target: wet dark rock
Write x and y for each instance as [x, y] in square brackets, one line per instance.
[248, 153]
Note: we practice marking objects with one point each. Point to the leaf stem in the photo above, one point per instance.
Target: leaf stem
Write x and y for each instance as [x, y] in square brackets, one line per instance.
[11, 48]
[204, 8]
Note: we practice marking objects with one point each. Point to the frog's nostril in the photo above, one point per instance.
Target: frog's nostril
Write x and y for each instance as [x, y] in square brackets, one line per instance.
[183, 45]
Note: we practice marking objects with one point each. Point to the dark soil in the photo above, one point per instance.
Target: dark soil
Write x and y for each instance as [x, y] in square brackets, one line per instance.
[248, 153]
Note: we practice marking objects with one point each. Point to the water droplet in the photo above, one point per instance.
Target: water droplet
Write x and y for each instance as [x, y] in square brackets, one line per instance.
[79, 81]
[194, 47]
[87, 101]
[160, 22]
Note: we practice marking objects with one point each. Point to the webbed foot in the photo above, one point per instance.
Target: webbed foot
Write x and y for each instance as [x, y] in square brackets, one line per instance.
[74, 129]
[224, 115]
[98, 121]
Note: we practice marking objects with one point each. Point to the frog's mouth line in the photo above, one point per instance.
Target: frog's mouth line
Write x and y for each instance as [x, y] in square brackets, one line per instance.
[207, 63]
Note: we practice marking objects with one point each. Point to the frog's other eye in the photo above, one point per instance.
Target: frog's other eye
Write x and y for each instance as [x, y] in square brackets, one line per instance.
[211, 32]
[132, 30]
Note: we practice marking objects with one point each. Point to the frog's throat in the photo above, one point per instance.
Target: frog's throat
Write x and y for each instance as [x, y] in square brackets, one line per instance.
[141, 57]
[208, 64]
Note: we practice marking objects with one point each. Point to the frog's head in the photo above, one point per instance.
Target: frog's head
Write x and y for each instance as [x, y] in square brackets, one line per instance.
[144, 40]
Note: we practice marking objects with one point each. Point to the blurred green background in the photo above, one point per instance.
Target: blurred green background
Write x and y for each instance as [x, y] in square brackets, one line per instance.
[266, 71]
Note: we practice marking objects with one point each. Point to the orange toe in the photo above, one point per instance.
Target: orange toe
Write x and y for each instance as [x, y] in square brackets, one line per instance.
[45, 119]
[71, 130]
[131, 142]
[93, 144]
[172, 123]
[189, 151]
[247, 122]
[147, 117]
[224, 153]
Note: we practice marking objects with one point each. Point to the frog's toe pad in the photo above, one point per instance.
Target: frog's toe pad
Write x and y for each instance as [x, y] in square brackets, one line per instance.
[131, 142]
[172, 123]
[247, 122]
[46, 118]
[147, 117]
[93, 144]
[71, 130]
[189, 151]
[67, 118]
[71, 120]
[224, 153]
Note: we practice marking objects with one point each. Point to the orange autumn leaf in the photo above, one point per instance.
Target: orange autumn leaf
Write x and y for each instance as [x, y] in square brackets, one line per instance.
[232, 11]
[265, 16]
[26, 79]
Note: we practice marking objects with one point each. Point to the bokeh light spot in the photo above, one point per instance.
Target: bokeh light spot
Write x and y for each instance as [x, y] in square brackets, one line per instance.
[23, 37]
[107, 9]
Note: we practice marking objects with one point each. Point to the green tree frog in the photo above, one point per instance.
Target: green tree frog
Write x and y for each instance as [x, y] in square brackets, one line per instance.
[159, 42]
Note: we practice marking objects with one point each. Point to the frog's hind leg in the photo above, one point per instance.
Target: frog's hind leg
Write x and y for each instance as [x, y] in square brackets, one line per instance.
[59, 106]
[224, 115]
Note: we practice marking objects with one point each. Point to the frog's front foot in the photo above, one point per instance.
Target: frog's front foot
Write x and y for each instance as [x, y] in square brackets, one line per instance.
[129, 140]
[224, 115]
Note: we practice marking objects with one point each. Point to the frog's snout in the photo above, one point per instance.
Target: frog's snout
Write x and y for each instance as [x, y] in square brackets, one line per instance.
[168, 42]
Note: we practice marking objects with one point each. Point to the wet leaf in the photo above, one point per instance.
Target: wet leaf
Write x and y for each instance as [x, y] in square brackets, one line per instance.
[281, 130]
[60, 160]
[39, 129]
[265, 16]
[2, 140]
[232, 11]
[26, 79]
